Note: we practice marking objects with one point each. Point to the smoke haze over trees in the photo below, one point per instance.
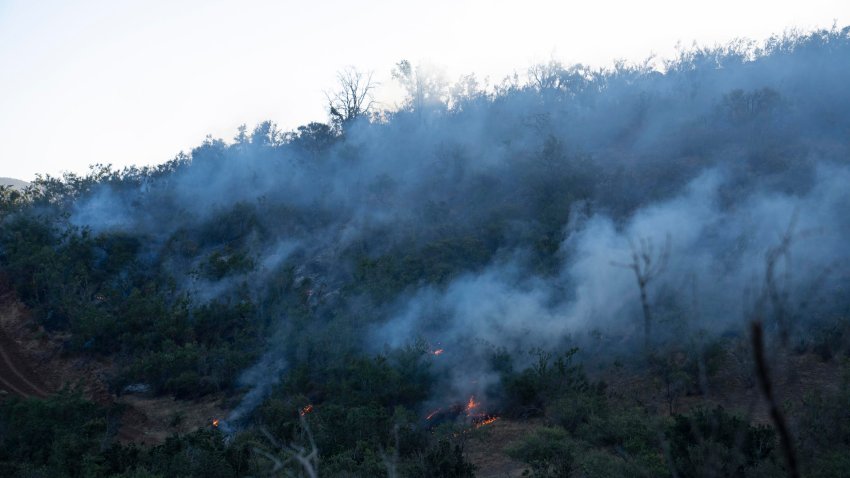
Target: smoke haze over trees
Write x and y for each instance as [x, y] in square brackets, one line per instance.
[476, 221]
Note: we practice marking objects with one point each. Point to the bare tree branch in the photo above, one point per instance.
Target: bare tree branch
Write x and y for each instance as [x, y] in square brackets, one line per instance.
[767, 389]
[646, 267]
[307, 459]
[353, 97]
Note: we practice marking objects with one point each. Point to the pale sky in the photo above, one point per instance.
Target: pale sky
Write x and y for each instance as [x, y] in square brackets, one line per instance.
[136, 82]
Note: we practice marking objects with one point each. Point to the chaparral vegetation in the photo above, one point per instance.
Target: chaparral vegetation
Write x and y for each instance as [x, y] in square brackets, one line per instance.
[637, 271]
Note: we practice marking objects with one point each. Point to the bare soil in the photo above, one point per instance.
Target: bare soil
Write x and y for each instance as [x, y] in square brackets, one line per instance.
[487, 448]
[33, 364]
[794, 376]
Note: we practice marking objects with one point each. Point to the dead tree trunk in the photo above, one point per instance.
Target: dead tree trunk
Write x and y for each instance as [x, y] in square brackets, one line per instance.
[646, 267]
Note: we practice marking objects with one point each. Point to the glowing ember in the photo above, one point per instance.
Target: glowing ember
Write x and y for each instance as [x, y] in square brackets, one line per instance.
[471, 404]
[215, 422]
[437, 352]
[306, 410]
[486, 422]
[431, 415]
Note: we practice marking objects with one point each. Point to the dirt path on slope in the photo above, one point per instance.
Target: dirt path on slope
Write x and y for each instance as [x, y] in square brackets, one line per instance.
[31, 362]
[16, 376]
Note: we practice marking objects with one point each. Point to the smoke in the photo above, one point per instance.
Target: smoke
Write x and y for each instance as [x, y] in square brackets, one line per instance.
[499, 220]
[259, 379]
[714, 252]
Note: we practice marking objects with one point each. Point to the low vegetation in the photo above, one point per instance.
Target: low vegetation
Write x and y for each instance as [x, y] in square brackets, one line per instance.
[371, 295]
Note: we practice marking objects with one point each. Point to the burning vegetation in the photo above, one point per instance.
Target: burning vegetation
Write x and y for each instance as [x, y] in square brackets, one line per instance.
[523, 203]
[469, 413]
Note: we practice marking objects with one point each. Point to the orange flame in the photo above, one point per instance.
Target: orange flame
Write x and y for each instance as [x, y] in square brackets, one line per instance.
[306, 410]
[486, 421]
[471, 404]
[215, 422]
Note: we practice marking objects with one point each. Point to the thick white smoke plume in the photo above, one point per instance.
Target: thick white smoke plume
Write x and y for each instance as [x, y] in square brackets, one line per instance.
[500, 221]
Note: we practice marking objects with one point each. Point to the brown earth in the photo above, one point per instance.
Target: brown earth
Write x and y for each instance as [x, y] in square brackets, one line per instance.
[40, 354]
[794, 376]
[734, 387]
[33, 365]
[487, 449]
[15, 376]
[150, 421]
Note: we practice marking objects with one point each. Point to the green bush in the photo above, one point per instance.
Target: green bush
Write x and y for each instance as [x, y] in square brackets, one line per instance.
[715, 443]
[549, 452]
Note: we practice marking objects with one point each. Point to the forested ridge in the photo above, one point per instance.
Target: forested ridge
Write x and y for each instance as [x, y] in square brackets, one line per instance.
[368, 296]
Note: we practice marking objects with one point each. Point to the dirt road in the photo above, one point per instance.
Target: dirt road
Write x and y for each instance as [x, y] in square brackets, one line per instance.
[15, 376]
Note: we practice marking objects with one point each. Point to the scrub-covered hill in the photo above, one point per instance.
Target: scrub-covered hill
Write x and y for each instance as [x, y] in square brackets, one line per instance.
[395, 282]
[14, 183]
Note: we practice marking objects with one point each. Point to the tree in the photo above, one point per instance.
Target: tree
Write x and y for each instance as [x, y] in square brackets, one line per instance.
[426, 86]
[546, 76]
[353, 97]
[646, 267]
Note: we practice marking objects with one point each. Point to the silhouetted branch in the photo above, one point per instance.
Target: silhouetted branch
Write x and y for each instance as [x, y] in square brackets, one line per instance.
[353, 97]
[767, 389]
[307, 459]
[646, 267]
[772, 291]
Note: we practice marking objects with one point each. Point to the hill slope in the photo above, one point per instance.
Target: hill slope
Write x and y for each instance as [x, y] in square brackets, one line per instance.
[15, 183]
[587, 250]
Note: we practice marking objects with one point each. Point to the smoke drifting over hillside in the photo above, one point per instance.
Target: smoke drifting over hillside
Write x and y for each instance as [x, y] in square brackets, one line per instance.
[501, 218]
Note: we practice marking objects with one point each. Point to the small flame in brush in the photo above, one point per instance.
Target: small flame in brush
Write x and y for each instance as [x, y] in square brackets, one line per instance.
[471, 405]
[486, 421]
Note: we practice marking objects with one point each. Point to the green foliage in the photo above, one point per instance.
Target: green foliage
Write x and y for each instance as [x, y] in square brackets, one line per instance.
[832, 464]
[573, 410]
[187, 298]
[63, 433]
[715, 443]
[435, 262]
[445, 460]
[528, 392]
[221, 264]
[823, 430]
[548, 451]
[202, 453]
[67, 436]
[361, 406]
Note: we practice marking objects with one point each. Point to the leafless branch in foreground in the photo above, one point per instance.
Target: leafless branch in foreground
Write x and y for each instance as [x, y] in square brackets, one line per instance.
[775, 413]
[308, 460]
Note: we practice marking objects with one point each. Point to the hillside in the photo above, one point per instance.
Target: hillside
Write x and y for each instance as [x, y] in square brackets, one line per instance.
[15, 183]
[616, 272]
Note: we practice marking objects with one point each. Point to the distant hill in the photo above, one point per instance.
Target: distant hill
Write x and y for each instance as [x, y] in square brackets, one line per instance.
[15, 183]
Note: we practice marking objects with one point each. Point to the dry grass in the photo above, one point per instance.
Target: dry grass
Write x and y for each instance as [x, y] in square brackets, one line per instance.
[487, 448]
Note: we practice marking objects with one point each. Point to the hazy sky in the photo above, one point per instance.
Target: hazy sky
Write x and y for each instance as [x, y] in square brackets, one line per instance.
[135, 82]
